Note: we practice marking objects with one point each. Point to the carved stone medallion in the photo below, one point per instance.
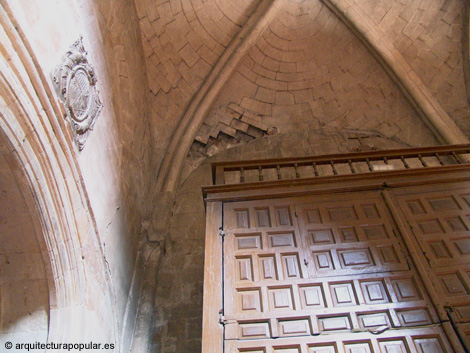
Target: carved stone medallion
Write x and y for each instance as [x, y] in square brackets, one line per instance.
[75, 83]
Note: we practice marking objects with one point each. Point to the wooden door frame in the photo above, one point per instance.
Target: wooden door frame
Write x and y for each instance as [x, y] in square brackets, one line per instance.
[215, 196]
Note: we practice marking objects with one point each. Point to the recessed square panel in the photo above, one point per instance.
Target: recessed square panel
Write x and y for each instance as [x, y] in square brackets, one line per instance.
[312, 297]
[281, 239]
[428, 345]
[254, 330]
[371, 320]
[244, 269]
[375, 232]
[431, 226]
[263, 219]
[320, 237]
[323, 348]
[463, 312]
[291, 266]
[249, 301]
[443, 203]
[334, 323]
[456, 224]
[280, 298]
[439, 250]
[247, 241]
[286, 349]
[323, 260]
[466, 198]
[294, 328]
[394, 346]
[355, 258]
[388, 254]
[358, 348]
[347, 235]
[406, 289]
[313, 216]
[453, 284]
[268, 267]
[463, 246]
[283, 216]
[243, 218]
[343, 294]
[374, 292]
[416, 207]
[341, 214]
[414, 317]
[370, 210]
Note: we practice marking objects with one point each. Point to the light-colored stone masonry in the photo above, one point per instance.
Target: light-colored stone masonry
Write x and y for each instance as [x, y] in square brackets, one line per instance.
[291, 80]
[182, 40]
[428, 34]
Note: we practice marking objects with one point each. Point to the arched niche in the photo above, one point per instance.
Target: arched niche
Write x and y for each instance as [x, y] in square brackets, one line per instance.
[27, 290]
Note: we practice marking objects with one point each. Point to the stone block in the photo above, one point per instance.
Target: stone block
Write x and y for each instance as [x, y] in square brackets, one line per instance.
[240, 85]
[236, 108]
[176, 6]
[300, 85]
[262, 71]
[268, 50]
[291, 76]
[165, 13]
[256, 54]
[189, 56]
[146, 28]
[302, 96]
[247, 72]
[271, 84]
[270, 64]
[239, 125]
[202, 34]
[202, 69]
[208, 55]
[256, 106]
[265, 95]
[284, 98]
[152, 12]
[177, 30]
[194, 39]
[293, 56]
[287, 67]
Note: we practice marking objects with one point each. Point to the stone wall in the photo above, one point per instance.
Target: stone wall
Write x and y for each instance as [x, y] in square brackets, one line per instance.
[109, 205]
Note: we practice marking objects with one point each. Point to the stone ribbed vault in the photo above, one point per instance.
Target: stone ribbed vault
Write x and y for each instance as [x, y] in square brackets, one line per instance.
[391, 67]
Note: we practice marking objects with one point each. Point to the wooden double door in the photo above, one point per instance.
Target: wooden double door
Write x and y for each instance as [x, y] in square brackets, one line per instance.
[361, 272]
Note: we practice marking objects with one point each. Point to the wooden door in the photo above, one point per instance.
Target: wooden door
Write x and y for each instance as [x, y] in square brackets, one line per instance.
[440, 223]
[323, 274]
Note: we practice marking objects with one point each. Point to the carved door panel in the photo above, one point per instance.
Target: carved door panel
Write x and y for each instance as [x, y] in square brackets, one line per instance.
[440, 222]
[322, 274]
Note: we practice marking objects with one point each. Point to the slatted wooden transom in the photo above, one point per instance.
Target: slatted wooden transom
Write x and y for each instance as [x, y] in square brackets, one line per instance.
[323, 274]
